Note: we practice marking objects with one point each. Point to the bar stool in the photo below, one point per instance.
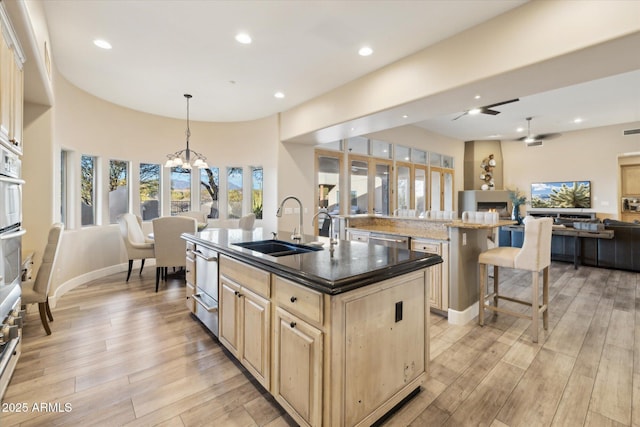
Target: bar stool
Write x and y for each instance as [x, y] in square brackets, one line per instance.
[534, 256]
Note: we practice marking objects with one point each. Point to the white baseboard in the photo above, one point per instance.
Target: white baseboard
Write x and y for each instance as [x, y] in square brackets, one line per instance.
[87, 277]
[463, 317]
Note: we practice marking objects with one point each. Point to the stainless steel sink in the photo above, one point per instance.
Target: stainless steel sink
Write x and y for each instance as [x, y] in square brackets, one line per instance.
[277, 248]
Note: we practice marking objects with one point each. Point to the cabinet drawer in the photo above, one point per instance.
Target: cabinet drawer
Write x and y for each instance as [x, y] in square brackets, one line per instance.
[422, 246]
[358, 237]
[190, 271]
[191, 303]
[299, 300]
[250, 277]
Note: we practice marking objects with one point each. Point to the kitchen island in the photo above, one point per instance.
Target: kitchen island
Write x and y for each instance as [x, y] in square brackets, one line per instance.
[339, 338]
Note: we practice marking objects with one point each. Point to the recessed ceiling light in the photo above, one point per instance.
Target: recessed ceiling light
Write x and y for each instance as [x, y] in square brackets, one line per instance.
[520, 130]
[404, 116]
[577, 120]
[477, 97]
[365, 51]
[474, 111]
[243, 38]
[103, 44]
[279, 95]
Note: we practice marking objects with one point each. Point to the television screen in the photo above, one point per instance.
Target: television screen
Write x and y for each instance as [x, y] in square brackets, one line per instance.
[563, 194]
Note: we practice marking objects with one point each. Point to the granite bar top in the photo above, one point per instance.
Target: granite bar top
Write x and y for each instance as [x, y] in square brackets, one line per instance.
[352, 264]
[401, 226]
[478, 226]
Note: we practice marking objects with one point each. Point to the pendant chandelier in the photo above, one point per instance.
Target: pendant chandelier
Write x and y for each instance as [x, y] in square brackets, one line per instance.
[184, 157]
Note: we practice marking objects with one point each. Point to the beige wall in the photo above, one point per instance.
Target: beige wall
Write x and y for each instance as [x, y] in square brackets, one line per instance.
[582, 155]
[84, 124]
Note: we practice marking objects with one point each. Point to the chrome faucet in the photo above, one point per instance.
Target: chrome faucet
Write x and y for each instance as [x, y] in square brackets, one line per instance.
[332, 241]
[295, 236]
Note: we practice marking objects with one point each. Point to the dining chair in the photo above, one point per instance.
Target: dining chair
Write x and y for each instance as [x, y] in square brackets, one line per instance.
[200, 216]
[534, 256]
[135, 242]
[170, 248]
[37, 291]
[246, 222]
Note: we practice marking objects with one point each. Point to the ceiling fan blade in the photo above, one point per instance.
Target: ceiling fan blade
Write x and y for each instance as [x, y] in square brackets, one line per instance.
[539, 137]
[548, 136]
[463, 114]
[486, 107]
[491, 112]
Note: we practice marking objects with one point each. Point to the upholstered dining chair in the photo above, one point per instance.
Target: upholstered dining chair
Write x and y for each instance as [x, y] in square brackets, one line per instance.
[170, 248]
[246, 222]
[37, 291]
[135, 242]
[534, 256]
[200, 216]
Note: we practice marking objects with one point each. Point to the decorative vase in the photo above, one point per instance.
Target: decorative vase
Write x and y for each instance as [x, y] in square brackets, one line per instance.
[515, 215]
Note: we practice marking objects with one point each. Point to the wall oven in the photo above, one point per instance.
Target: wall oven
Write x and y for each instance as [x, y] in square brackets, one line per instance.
[11, 233]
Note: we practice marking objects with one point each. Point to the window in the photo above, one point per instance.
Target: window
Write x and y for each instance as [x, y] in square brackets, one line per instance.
[328, 175]
[382, 188]
[209, 191]
[180, 190]
[380, 149]
[359, 186]
[358, 145]
[234, 192]
[87, 190]
[256, 191]
[403, 182]
[118, 189]
[64, 158]
[418, 156]
[402, 154]
[420, 188]
[149, 191]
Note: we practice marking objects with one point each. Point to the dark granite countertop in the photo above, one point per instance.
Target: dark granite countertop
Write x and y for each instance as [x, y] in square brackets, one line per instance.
[352, 265]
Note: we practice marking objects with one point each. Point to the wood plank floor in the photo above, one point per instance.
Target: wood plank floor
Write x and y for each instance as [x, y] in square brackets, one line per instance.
[122, 355]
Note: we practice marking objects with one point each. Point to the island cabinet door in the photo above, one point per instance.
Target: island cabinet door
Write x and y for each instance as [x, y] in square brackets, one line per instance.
[385, 335]
[298, 368]
[229, 311]
[255, 328]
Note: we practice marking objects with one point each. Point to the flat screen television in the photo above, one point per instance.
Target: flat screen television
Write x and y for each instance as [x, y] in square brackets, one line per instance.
[561, 194]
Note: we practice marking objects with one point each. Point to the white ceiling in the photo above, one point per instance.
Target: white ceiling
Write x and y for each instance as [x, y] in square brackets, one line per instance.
[163, 49]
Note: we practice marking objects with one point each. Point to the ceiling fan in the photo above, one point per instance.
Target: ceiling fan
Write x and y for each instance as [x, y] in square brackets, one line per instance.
[534, 140]
[487, 109]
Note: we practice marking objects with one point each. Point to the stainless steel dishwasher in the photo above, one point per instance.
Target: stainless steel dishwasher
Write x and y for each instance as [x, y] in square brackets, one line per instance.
[206, 295]
[391, 240]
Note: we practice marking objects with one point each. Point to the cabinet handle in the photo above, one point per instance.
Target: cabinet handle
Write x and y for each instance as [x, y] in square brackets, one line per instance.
[292, 324]
[294, 299]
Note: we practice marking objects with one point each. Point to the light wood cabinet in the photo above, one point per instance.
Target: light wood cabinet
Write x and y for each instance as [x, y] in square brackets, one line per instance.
[329, 360]
[190, 277]
[298, 374]
[17, 102]
[245, 316]
[6, 86]
[439, 274]
[358, 236]
[384, 332]
[11, 87]
[630, 180]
